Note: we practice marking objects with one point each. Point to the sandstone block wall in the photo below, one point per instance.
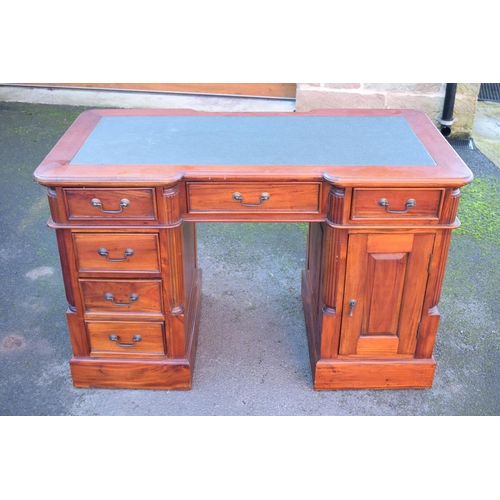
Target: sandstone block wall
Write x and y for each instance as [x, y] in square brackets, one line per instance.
[426, 97]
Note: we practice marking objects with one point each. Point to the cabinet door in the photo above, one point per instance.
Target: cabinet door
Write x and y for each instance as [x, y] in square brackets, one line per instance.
[386, 280]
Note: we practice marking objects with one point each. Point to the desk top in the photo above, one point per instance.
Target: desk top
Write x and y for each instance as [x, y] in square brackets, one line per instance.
[345, 147]
[253, 140]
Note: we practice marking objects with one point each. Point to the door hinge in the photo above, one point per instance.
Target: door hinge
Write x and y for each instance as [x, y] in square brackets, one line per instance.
[418, 331]
[430, 263]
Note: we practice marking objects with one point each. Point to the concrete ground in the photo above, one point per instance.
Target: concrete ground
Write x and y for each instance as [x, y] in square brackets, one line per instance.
[252, 354]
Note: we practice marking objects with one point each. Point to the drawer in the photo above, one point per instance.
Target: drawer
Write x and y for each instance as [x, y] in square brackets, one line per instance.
[99, 204]
[125, 339]
[253, 197]
[396, 203]
[116, 252]
[121, 296]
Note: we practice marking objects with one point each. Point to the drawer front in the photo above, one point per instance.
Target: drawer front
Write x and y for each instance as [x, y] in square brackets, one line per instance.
[125, 339]
[396, 204]
[99, 204]
[122, 296]
[116, 252]
[253, 197]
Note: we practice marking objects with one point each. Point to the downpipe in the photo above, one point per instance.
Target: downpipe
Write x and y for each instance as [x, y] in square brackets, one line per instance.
[449, 103]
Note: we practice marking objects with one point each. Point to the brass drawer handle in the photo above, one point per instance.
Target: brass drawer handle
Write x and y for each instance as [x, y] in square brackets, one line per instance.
[132, 298]
[115, 338]
[104, 253]
[263, 197]
[409, 204]
[352, 304]
[96, 202]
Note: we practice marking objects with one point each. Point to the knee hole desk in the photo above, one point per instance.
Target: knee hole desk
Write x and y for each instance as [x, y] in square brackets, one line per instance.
[379, 189]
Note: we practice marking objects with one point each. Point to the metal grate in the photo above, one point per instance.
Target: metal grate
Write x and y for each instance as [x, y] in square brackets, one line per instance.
[462, 144]
[489, 92]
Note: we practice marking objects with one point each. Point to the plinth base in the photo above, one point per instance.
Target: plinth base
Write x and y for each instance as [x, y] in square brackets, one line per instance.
[356, 373]
[164, 373]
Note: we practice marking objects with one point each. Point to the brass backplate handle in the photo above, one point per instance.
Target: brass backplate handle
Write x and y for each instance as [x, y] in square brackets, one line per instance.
[109, 296]
[115, 338]
[383, 202]
[96, 202]
[263, 197]
[352, 304]
[104, 253]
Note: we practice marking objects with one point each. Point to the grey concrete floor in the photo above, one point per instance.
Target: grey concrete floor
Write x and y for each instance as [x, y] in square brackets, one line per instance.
[252, 354]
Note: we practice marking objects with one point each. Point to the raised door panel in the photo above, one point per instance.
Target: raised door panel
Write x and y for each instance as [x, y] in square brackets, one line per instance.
[386, 280]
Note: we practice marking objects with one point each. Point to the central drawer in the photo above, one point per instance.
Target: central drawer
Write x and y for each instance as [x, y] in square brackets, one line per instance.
[253, 197]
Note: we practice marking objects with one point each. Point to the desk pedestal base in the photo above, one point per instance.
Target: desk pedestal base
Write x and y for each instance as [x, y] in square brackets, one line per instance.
[133, 374]
[356, 373]
[163, 373]
[373, 374]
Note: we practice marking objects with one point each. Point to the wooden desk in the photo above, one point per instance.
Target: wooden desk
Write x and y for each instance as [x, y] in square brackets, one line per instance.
[379, 189]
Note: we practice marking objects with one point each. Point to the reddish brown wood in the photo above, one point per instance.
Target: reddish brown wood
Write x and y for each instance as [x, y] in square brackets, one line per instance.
[365, 204]
[331, 268]
[312, 330]
[415, 288]
[125, 252]
[310, 275]
[63, 237]
[336, 208]
[314, 260]
[188, 259]
[216, 197]
[332, 283]
[77, 334]
[428, 333]
[374, 374]
[174, 291]
[151, 342]
[79, 204]
[450, 207]
[131, 374]
[386, 277]
[148, 292]
[450, 170]
[175, 269]
[438, 267]
[172, 207]
[193, 317]
[53, 195]
[392, 264]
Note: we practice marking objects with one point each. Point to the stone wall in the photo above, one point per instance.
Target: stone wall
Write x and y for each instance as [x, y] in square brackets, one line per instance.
[426, 97]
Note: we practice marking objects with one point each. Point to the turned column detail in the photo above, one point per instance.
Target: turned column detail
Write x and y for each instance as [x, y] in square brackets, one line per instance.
[172, 203]
[336, 199]
[332, 249]
[173, 250]
[450, 207]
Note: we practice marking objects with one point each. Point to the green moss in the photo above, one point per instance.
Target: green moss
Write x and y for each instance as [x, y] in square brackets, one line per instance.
[479, 210]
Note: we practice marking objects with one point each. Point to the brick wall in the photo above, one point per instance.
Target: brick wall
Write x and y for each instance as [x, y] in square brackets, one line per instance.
[426, 97]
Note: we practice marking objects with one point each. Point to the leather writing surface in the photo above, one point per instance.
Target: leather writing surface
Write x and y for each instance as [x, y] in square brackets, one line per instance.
[253, 140]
